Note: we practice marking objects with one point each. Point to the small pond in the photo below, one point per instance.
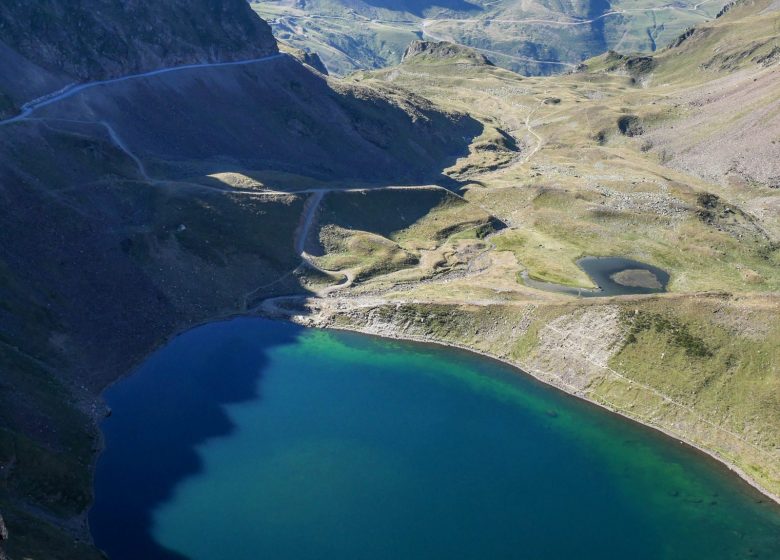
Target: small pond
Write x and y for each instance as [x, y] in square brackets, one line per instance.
[614, 276]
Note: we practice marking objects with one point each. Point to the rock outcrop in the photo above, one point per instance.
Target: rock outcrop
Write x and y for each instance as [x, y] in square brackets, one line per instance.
[431, 51]
[93, 39]
[314, 60]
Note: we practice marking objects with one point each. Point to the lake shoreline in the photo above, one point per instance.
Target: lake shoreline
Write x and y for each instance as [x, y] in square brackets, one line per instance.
[325, 381]
[308, 321]
[711, 454]
[311, 321]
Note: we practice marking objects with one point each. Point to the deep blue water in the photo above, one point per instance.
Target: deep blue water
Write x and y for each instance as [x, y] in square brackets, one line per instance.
[253, 439]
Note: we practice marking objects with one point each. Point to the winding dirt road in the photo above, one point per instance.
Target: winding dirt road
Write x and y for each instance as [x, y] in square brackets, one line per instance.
[74, 89]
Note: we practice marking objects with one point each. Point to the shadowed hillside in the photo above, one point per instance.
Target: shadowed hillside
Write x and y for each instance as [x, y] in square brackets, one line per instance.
[272, 114]
[53, 43]
[118, 229]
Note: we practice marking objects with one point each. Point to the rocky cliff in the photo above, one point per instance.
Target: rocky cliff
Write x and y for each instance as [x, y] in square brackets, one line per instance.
[92, 39]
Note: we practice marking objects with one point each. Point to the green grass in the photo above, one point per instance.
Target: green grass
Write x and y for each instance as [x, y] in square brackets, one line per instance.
[677, 333]
[725, 368]
[366, 253]
[546, 258]
[413, 218]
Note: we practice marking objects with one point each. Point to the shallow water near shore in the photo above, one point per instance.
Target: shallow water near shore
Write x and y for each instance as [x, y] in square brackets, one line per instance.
[252, 439]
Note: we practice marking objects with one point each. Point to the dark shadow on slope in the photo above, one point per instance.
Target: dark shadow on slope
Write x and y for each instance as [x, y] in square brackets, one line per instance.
[120, 263]
[596, 9]
[172, 404]
[275, 115]
[421, 7]
[383, 212]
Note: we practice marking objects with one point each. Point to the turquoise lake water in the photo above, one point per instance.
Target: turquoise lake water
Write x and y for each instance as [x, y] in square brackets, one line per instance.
[252, 439]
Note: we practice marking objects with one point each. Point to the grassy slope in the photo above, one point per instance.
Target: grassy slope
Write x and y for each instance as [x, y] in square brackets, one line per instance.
[366, 253]
[725, 358]
[704, 367]
[590, 190]
[375, 233]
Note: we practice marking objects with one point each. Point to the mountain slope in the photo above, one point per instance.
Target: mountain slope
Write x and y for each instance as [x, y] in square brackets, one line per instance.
[96, 39]
[728, 131]
[716, 112]
[530, 37]
[666, 160]
[136, 207]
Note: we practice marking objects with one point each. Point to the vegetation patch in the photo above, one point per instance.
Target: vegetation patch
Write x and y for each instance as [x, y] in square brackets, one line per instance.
[366, 253]
[717, 356]
[678, 332]
[630, 125]
[546, 259]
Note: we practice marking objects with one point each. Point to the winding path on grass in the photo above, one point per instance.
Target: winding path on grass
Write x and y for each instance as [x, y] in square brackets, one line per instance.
[74, 89]
[28, 108]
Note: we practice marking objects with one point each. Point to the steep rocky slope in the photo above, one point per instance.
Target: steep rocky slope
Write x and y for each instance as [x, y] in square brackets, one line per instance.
[63, 42]
[718, 108]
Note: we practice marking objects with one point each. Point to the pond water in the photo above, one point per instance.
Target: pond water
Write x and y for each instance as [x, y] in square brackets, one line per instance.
[251, 439]
[614, 276]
